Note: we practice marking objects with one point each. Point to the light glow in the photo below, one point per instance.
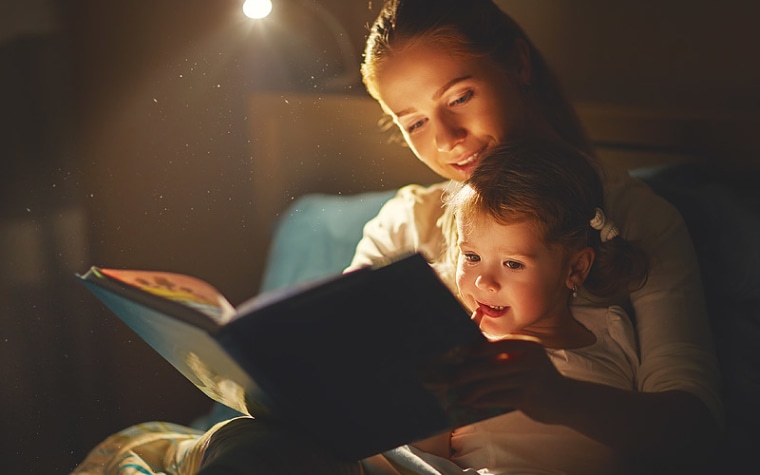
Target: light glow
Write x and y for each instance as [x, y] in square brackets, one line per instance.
[257, 9]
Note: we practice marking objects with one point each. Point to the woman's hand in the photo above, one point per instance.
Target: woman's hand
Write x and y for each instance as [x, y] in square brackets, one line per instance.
[512, 372]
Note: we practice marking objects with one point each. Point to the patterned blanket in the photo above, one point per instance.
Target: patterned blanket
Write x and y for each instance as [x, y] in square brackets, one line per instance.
[162, 448]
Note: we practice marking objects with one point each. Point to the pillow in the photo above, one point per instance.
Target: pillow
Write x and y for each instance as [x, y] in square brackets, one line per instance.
[317, 235]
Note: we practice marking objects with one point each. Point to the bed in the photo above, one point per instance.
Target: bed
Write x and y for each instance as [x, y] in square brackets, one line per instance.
[705, 165]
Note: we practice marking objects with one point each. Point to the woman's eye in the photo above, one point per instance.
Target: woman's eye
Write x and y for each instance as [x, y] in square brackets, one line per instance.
[461, 99]
[416, 125]
[513, 265]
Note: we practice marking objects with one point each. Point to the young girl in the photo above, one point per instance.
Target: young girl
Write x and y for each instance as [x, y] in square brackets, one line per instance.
[529, 232]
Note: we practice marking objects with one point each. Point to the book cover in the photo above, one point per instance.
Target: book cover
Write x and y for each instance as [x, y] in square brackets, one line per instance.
[343, 358]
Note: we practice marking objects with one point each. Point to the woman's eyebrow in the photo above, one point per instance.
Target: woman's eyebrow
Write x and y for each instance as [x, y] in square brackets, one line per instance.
[448, 86]
[437, 95]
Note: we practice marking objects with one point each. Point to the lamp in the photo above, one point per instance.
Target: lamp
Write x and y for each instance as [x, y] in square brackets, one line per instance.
[259, 9]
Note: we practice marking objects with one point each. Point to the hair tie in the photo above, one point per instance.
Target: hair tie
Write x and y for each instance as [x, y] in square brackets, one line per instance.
[607, 229]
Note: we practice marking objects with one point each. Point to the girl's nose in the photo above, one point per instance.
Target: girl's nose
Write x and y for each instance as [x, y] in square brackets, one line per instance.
[485, 282]
[449, 133]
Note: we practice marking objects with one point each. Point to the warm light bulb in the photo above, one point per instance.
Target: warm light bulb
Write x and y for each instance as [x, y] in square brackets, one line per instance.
[257, 8]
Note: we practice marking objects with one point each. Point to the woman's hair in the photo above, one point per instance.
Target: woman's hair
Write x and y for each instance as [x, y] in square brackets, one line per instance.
[557, 190]
[469, 28]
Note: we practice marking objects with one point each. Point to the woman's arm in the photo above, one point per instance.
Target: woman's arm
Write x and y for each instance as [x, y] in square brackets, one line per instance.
[672, 427]
[670, 314]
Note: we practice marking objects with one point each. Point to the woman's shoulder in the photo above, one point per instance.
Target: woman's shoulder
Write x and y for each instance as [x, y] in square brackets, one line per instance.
[423, 194]
[638, 211]
[406, 222]
[414, 204]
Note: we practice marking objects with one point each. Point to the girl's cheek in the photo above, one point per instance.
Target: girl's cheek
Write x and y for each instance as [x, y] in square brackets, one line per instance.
[460, 279]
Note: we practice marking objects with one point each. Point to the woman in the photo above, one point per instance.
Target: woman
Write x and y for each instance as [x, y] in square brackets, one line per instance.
[460, 76]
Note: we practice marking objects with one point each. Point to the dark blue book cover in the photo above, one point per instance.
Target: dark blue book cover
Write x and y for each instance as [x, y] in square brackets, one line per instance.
[343, 358]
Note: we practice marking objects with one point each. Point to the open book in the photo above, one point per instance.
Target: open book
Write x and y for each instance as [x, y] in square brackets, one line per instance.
[352, 360]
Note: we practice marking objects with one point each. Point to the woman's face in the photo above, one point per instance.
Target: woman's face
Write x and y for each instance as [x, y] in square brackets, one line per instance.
[450, 108]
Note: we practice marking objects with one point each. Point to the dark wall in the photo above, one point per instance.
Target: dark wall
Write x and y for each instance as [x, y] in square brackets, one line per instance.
[125, 142]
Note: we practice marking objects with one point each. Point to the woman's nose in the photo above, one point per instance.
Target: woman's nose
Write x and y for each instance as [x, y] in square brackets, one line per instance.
[449, 133]
[486, 282]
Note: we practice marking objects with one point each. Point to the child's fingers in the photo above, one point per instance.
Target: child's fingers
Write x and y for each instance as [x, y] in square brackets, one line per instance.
[477, 316]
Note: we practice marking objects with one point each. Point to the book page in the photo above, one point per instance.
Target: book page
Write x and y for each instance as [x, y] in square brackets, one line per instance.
[187, 290]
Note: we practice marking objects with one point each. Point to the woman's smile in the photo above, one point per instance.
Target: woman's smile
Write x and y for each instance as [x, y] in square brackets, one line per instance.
[469, 161]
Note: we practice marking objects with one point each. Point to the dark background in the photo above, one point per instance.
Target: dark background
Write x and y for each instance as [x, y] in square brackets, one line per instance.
[125, 141]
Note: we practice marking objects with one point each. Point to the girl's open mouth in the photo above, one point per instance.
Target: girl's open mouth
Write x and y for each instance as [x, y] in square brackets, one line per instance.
[492, 311]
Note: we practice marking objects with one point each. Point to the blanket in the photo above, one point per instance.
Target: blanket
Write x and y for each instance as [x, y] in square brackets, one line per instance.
[151, 448]
[237, 447]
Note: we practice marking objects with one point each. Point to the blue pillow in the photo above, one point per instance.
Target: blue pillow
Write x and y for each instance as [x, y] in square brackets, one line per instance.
[317, 235]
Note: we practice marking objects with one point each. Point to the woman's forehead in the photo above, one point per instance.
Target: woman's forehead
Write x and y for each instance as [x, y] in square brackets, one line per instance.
[423, 72]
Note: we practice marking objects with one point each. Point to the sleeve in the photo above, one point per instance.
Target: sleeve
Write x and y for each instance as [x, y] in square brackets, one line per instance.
[672, 326]
[408, 222]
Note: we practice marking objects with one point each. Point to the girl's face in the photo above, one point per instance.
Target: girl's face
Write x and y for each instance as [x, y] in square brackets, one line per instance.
[450, 108]
[511, 279]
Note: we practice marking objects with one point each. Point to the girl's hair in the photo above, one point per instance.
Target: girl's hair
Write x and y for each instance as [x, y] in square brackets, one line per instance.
[557, 190]
[472, 28]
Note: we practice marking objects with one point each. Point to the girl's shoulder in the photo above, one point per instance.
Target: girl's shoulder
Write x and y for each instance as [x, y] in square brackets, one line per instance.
[612, 359]
[609, 324]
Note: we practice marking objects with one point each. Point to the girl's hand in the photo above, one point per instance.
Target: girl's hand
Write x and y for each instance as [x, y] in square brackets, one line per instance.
[513, 372]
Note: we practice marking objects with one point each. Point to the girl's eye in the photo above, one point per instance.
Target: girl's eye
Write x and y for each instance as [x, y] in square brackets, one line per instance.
[470, 257]
[461, 99]
[513, 265]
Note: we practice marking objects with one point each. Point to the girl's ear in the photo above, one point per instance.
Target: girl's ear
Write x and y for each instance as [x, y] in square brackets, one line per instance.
[580, 266]
[524, 70]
